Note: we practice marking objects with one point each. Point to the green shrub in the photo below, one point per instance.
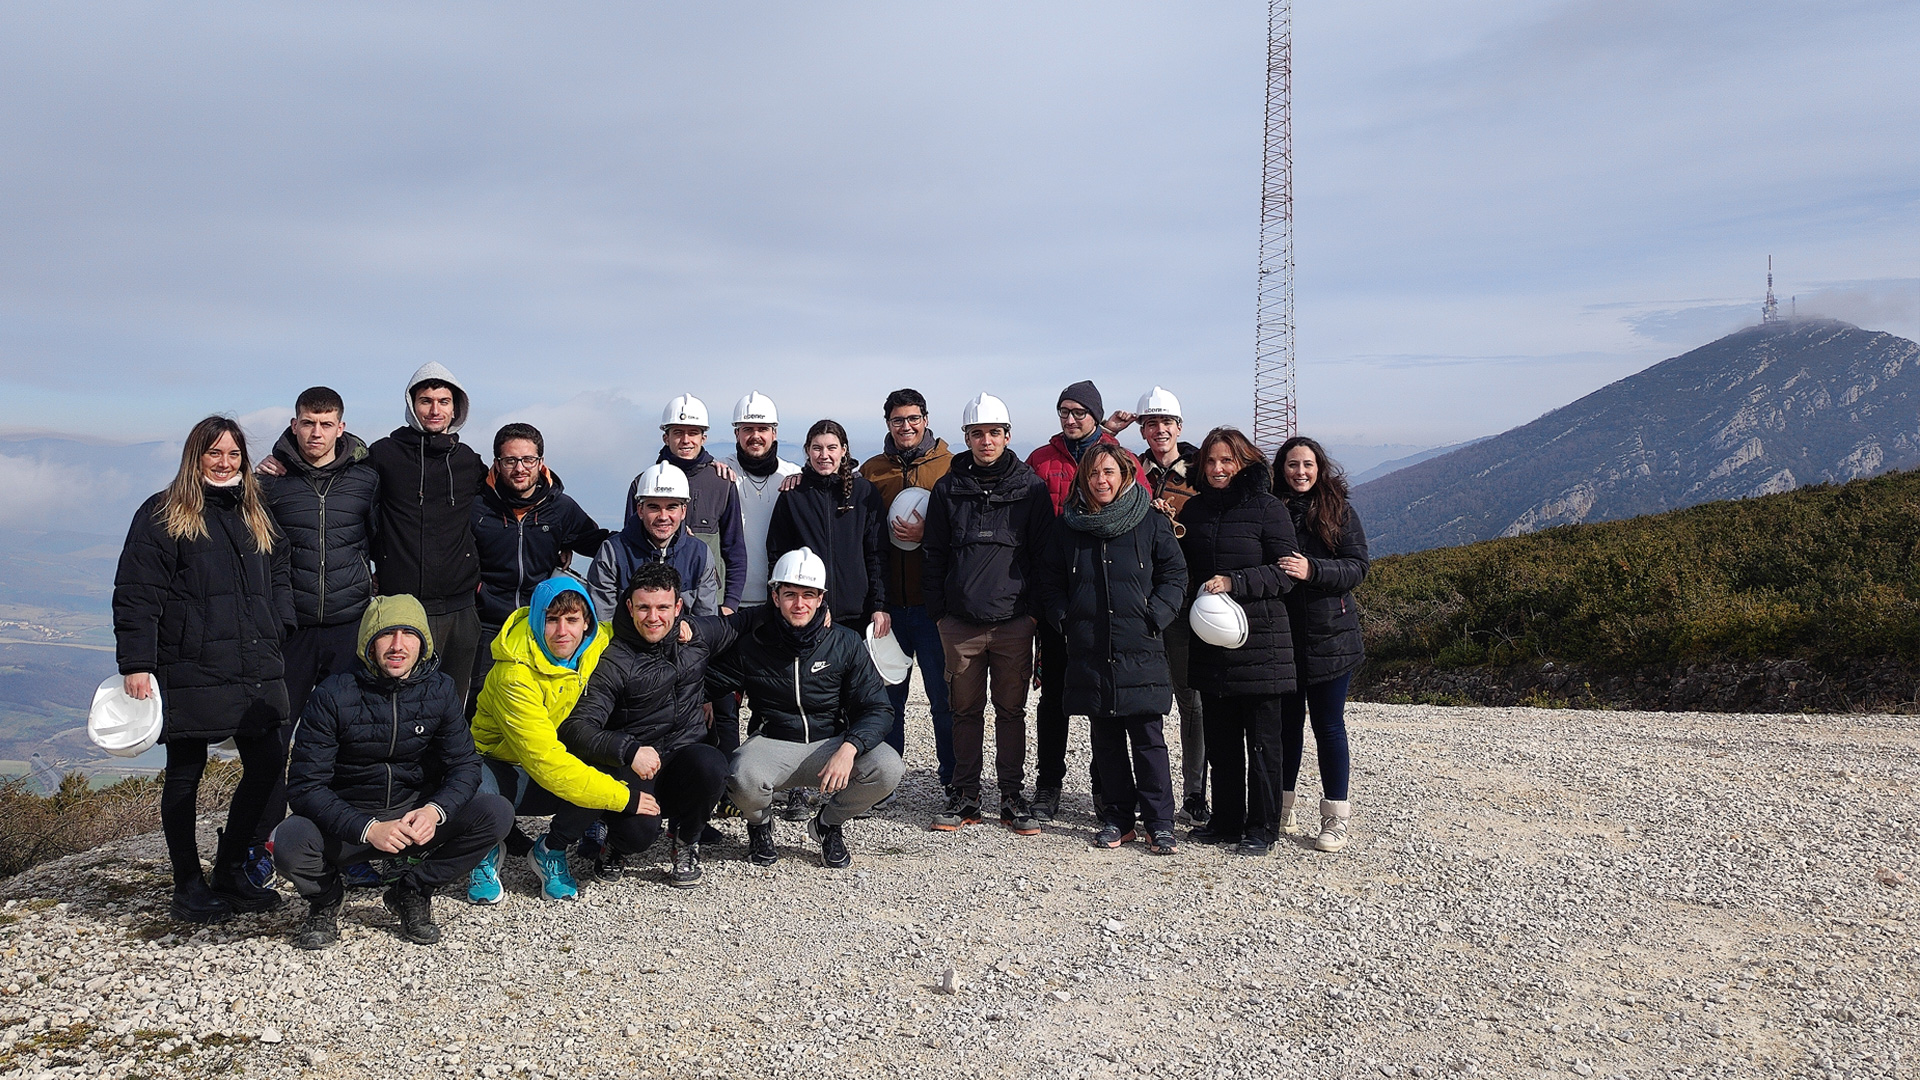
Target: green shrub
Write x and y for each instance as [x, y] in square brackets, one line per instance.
[78, 817]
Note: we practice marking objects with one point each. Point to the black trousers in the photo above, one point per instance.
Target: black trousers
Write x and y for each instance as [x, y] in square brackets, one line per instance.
[482, 663]
[1141, 779]
[688, 787]
[1243, 750]
[455, 637]
[263, 761]
[312, 859]
[311, 653]
[1050, 719]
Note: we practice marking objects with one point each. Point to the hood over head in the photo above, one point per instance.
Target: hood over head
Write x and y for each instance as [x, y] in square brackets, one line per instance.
[435, 371]
[347, 449]
[543, 596]
[386, 613]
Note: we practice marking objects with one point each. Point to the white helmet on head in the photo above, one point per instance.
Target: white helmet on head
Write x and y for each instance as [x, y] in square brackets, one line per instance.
[684, 411]
[755, 408]
[662, 481]
[985, 409]
[800, 567]
[1158, 402]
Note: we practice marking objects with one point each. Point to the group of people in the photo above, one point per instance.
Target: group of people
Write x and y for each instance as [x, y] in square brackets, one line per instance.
[393, 638]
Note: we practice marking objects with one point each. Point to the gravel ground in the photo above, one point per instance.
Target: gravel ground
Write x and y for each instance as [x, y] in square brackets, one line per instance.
[1528, 892]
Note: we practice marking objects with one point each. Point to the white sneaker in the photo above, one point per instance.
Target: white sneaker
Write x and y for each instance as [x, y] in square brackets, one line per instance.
[1289, 816]
[1333, 825]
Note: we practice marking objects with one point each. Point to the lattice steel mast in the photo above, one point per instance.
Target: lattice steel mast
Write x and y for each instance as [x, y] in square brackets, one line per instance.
[1274, 419]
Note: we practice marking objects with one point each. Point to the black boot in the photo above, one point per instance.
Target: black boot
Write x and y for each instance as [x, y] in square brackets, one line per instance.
[230, 880]
[195, 903]
[322, 925]
[415, 911]
[760, 850]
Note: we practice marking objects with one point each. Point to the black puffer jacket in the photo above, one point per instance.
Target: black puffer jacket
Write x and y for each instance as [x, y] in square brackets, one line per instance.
[424, 546]
[853, 542]
[328, 516]
[1113, 599]
[1242, 532]
[806, 686]
[1325, 621]
[983, 537]
[371, 748]
[205, 617]
[644, 694]
[522, 546]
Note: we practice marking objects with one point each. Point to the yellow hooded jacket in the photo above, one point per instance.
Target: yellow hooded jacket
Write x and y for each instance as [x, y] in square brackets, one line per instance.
[525, 698]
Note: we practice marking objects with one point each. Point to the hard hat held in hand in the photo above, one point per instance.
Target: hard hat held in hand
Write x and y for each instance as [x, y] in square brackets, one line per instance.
[985, 409]
[909, 502]
[1158, 402]
[121, 725]
[755, 408]
[684, 411]
[893, 664]
[663, 481]
[1217, 620]
[800, 567]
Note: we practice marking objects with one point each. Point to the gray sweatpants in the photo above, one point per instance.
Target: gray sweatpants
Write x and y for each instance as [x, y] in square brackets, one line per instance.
[763, 766]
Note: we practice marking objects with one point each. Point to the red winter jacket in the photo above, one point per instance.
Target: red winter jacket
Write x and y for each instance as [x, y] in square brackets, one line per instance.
[1057, 467]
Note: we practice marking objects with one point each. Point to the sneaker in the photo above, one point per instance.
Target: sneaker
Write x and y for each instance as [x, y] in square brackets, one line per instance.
[593, 843]
[1289, 815]
[415, 911]
[1333, 825]
[1017, 814]
[686, 865]
[798, 807]
[959, 813]
[1112, 837]
[711, 835]
[1194, 811]
[321, 927]
[556, 880]
[726, 809]
[760, 851]
[483, 884]
[833, 846]
[1253, 847]
[1163, 843]
[258, 866]
[1211, 834]
[194, 902]
[1046, 805]
[363, 876]
[230, 883]
[610, 866]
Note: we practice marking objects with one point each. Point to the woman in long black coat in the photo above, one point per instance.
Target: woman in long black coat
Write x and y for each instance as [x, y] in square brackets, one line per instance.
[1331, 563]
[201, 602]
[1113, 582]
[1236, 534]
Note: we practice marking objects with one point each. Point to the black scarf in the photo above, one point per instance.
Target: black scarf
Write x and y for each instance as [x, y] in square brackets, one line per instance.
[986, 475]
[803, 638]
[763, 466]
[542, 485]
[700, 461]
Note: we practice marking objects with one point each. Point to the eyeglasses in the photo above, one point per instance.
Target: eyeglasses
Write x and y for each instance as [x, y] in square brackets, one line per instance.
[1074, 414]
[906, 421]
[518, 462]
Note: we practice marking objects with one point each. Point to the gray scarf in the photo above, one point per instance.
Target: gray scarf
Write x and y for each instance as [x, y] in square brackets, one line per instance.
[1117, 517]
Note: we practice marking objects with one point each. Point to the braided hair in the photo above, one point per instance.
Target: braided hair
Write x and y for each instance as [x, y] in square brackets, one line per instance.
[845, 473]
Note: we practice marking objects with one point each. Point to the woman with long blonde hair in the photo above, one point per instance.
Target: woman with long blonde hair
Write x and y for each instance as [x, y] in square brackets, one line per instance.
[201, 602]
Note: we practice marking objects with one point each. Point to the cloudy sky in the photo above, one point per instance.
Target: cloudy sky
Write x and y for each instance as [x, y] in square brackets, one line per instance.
[583, 210]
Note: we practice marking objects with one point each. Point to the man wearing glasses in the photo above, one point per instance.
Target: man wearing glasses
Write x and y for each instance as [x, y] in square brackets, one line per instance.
[913, 457]
[525, 527]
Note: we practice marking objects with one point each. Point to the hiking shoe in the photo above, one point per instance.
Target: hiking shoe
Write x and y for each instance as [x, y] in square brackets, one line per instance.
[593, 842]
[833, 846]
[1163, 843]
[230, 883]
[1112, 837]
[1212, 834]
[1289, 815]
[1194, 811]
[362, 875]
[1046, 805]
[556, 880]
[959, 813]
[610, 866]
[194, 902]
[726, 809]
[798, 807]
[1333, 825]
[1253, 847]
[321, 927]
[686, 865]
[483, 884]
[415, 912]
[1017, 814]
[760, 851]
[258, 866]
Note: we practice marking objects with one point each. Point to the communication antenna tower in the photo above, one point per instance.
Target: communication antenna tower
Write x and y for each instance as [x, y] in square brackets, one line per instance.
[1770, 311]
[1274, 416]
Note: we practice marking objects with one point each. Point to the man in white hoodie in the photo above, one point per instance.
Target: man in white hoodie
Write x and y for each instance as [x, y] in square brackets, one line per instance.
[757, 472]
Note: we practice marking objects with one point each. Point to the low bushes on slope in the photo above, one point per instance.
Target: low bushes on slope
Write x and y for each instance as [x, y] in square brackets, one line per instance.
[39, 828]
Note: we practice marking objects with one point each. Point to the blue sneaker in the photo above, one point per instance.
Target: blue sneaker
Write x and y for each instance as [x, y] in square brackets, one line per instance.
[258, 867]
[483, 885]
[556, 881]
[363, 876]
[593, 844]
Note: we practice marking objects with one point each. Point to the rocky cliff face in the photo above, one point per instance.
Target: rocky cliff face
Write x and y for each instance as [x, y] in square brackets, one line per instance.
[1763, 410]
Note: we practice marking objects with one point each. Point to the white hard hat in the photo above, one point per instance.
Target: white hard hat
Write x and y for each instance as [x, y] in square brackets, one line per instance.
[1158, 402]
[1217, 620]
[662, 481]
[985, 409]
[909, 502]
[684, 411]
[800, 567]
[893, 664]
[121, 725]
[755, 408]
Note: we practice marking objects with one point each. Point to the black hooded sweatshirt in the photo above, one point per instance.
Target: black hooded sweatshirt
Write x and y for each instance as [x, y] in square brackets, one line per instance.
[425, 545]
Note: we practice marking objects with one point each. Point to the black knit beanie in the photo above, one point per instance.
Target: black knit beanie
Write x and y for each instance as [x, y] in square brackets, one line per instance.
[1084, 393]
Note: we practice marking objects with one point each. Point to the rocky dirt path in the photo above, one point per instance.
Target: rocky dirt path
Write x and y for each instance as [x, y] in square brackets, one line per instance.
[1529, 893]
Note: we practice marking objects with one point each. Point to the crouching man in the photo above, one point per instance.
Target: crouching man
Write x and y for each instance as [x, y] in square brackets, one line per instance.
[382, 762]
[820, 710]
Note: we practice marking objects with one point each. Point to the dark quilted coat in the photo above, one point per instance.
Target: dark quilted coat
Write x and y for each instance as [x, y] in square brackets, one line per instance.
[1112, 599]
[206, 618]
[327, 514]
[1325, 621]
[520, 547]
[981, 542]
[826, 689]
[853, 542]
[1242, 531]
[644, 694]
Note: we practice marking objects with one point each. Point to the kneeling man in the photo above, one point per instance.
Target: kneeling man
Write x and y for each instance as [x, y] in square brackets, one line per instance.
[382, 762]
[820, 710]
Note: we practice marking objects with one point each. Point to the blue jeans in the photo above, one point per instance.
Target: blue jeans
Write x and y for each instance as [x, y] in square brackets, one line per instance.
[1326, 703]
[919, 638]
